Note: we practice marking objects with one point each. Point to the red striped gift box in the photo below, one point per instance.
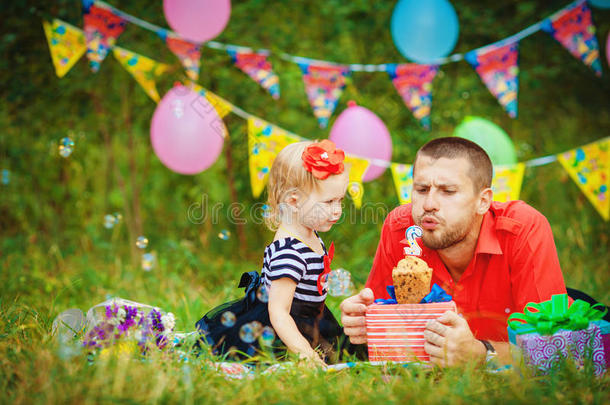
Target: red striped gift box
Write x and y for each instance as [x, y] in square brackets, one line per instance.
[396, 332]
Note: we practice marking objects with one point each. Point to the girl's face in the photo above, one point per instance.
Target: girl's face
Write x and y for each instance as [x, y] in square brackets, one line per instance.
[322, 207]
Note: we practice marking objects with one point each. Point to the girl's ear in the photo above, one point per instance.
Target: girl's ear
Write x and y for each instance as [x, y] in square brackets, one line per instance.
[291, 199]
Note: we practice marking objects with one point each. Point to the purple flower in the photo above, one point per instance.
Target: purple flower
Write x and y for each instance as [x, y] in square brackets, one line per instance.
[111, 311]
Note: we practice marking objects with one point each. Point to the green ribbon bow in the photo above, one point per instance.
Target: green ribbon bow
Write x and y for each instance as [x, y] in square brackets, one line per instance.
[553, 315]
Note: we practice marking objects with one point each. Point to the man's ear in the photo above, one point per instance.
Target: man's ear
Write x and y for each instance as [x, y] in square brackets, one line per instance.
[485, 198]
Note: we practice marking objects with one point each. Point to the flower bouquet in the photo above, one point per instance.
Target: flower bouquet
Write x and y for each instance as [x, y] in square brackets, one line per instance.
[128, 327]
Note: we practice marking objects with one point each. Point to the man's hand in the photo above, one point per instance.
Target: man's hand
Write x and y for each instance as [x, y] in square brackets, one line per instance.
[352, 315]
[450, 342]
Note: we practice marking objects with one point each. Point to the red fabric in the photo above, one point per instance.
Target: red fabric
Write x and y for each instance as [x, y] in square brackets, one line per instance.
[515, 262]
[323, 159]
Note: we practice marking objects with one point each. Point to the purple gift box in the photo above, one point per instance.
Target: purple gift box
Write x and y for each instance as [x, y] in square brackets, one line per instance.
[544, 352]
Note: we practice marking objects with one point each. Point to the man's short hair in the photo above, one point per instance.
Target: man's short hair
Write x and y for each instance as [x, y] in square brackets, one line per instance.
[481, 169]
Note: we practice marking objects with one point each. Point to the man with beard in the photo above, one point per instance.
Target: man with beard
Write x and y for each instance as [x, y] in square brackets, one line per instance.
[492, 258]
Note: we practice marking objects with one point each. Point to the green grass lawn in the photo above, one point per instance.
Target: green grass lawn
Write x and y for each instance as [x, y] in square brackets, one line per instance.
[38, 284]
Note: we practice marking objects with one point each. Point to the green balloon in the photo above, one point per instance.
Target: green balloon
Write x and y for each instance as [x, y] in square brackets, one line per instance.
[490, 137]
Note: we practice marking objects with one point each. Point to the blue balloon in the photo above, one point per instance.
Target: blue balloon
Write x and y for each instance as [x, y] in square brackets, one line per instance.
[424, 30]
[600, 3]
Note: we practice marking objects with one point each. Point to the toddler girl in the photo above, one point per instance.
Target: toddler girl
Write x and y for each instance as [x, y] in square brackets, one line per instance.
[307, 183]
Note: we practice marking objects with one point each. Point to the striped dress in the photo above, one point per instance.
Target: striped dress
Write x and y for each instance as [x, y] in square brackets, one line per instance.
[291, 258]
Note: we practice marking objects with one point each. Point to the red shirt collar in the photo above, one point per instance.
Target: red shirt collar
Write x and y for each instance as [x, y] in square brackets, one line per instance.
[488, 238]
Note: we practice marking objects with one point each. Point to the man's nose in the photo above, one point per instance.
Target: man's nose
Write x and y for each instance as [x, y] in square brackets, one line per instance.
[430, 201]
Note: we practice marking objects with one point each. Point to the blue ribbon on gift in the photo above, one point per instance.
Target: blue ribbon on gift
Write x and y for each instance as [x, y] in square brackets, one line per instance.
[391, 293]
[437, 294]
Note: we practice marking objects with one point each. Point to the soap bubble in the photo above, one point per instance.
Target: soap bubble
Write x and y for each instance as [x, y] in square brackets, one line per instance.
[118, 217]
[267, 336]
[340, 283]
[109, 221]
[66, 147]
[149, 260]
[227, 319]
[224, 234]
[246, 333]
[262, 294]
[6, 176]
[142, 242]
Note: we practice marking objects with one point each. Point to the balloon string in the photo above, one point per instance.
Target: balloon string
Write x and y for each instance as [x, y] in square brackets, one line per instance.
[354, 67]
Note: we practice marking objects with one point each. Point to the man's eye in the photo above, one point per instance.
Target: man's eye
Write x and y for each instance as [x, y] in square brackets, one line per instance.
[421, 189]
[449, 191]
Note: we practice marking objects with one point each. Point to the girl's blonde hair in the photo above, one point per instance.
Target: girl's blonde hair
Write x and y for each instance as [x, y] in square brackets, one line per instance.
[287, 175]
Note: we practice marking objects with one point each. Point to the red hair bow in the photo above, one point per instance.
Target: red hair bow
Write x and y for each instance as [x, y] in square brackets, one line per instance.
[323, 159]
[322, 278]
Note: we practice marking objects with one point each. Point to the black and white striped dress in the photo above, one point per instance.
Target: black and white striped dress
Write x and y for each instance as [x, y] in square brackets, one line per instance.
[291, 258]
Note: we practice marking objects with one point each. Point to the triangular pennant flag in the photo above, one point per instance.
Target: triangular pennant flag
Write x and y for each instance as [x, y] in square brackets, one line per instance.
[188, 53]
[589, 167]
[258, 68]
[324, 85]
[142, 68]
[102, 28]
[498, 67]
[357, 168]
[66, 43]
[573, 28]
[414, 84]
[222, 106]
[506, 184]
[265, 141]
[403, 181]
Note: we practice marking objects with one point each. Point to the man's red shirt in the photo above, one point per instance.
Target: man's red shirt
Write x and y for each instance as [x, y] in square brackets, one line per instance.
[515, 262]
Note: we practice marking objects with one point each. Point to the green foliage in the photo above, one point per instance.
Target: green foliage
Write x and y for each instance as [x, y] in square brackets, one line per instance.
[56, 254]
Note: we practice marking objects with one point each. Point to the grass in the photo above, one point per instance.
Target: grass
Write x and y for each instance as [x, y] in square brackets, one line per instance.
[41, 281]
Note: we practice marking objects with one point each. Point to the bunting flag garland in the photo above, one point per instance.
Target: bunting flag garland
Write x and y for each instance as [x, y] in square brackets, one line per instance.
[188, 53]
[257, 66]
[499, 69]
[102, 28]
[414, 84]
[507, 180]
[265, 141]
[573, 28]
[143, 69]
[324, 85]
[357, 168]
[66, 43]
[222, 106]
[403, 181]
[589, 167]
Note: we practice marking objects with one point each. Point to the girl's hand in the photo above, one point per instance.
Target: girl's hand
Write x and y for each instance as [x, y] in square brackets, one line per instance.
[313, 359]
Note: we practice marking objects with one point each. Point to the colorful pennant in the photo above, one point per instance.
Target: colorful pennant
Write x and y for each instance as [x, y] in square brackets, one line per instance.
[102, 28]
[265, 141]
[222, 106]
[143, 69]
[403, 181]
[357, 167]
[506, 184]
[573, 28]
[498, 67]
[324, 85]
[257, 66]
[414, 84]
[589, 167]
[66, 43]
[188, 53]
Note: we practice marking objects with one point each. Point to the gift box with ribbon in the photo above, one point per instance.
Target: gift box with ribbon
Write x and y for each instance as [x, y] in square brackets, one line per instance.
[547, 334]
[395, 332]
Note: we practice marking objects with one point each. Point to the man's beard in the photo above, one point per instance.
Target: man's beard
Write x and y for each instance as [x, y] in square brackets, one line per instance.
[449, 238]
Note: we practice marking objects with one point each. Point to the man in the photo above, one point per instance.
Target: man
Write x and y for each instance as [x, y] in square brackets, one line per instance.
[493, 258]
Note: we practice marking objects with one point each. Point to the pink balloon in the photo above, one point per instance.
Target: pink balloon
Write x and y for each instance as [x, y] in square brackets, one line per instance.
[186, 132]
[361, 132]
[197, 20]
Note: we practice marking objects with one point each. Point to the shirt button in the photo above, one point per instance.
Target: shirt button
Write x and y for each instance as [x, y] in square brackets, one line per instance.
[507, 310]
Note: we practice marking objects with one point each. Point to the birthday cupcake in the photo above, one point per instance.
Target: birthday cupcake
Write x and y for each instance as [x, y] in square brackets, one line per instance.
[411, 278]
